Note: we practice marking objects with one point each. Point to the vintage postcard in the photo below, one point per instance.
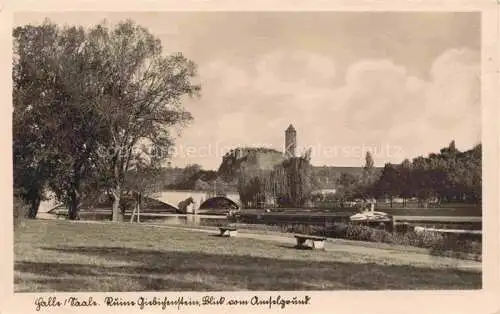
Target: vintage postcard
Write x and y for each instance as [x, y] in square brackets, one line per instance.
[209, 156]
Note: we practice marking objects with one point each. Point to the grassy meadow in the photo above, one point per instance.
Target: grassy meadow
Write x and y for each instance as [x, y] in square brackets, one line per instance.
[72, 256]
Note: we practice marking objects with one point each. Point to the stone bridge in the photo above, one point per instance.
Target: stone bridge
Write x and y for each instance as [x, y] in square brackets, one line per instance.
[170, 197]
[173, 197]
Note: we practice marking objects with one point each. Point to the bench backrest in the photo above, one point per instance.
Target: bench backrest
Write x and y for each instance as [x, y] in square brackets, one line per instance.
[309, 237]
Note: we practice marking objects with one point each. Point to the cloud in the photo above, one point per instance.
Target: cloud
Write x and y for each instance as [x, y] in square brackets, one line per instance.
[378, 95]
[450, 106]
[286, 69]
[378, 104]
[454, 88]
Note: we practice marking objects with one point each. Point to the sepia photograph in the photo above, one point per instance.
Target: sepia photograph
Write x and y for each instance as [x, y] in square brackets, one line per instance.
[246, 151]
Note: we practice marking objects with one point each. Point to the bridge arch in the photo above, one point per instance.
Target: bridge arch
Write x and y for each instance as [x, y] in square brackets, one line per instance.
[154, 205]
[149, 205]
[221, 202]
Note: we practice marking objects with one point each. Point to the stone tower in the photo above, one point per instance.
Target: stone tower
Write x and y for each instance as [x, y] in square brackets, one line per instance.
[290, 141]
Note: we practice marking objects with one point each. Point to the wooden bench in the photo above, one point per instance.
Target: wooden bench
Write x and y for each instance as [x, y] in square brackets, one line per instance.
[228, 232]
[310, 242]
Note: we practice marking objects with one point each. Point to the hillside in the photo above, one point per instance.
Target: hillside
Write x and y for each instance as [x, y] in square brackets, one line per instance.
[250, 158]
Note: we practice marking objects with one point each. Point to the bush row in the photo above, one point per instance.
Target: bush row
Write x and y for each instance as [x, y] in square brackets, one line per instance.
[464, 246]
[453, 245]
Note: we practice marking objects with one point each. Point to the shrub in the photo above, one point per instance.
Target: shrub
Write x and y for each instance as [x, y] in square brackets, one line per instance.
[380, 236]
[299, 228]
[402, 228]
[337, 230]
[359, 232]
[455, 245]
[438, 243]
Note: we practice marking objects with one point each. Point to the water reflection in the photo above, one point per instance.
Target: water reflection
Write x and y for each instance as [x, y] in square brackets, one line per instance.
[170, 219]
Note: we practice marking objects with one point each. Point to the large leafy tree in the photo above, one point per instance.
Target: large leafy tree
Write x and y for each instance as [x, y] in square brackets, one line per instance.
[450, 175]
[474, 186]
[85, 100]
[80, 126]
[292, 181]
[368, 178]
[33, 121]
[422, 179]
[143, 179]
[388, 185]
[141, 93]
[252, 183]
[55, 67]
[288, 184]
[348, 186]
[404, 180]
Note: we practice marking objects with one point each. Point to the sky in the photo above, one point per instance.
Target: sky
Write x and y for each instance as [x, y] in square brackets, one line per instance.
[399, 85]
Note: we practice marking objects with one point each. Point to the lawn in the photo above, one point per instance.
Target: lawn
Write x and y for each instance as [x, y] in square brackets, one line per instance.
[65, 256]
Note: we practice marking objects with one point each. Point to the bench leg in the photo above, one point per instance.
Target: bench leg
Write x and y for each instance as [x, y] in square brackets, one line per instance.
[232, 233]
[301, 243]
[228, 233]
[319, 245]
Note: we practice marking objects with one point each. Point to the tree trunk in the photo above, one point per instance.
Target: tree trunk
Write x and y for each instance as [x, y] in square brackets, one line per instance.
[35, 204]
[139, 203]
[117, 214]
[74, 205]
[133, 213]
[137, 207]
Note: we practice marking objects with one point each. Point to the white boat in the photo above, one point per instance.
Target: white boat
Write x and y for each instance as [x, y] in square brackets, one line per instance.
[370, 216]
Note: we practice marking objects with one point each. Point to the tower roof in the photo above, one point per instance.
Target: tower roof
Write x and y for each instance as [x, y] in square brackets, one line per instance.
[290, 128]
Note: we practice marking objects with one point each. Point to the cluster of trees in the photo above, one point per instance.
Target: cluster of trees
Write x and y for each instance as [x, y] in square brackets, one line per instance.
[449, 175]
[194, 177]
[93, 111]
[357, 185]
[291, 182]
[288, 184]
[252, 186]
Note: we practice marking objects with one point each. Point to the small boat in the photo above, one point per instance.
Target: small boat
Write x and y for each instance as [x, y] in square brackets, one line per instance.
[370, 216]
